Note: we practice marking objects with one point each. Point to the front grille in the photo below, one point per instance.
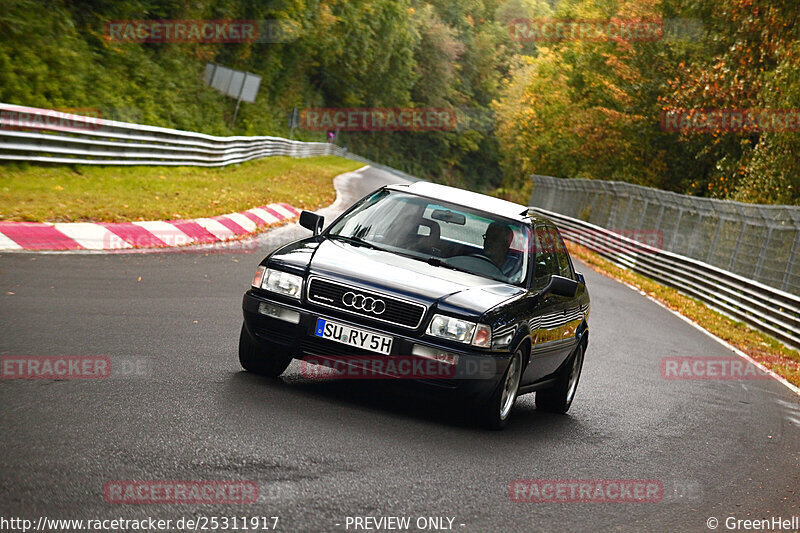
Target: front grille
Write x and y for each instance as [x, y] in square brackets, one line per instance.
[397, 311]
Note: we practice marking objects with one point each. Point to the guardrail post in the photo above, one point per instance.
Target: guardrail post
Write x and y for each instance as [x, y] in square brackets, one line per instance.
[611, 219]
[790, 263]
[738, 245]
[693, 238]
[657, 225]
[714, 240]
[628, 211]
[597, 199]
[678, 229]
[644, 212]
[763, 253]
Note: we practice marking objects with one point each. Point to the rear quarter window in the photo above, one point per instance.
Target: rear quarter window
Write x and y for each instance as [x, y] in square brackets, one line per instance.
[545, 263]
[562, 256]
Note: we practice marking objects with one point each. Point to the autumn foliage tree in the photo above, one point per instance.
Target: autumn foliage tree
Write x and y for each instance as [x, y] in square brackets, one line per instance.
[593, 109]
[752, 62]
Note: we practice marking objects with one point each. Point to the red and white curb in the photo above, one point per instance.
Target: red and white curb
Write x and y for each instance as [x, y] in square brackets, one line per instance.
[134, 235]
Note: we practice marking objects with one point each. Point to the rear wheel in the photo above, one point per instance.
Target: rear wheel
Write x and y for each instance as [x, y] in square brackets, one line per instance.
[496, 412]
[253, 359]
[559, 398]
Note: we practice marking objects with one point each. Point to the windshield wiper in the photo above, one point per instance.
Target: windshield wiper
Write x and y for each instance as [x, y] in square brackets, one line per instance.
[358, 241]
[435, 261]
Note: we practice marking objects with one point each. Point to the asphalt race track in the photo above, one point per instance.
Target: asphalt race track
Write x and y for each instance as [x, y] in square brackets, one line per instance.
[180, 408]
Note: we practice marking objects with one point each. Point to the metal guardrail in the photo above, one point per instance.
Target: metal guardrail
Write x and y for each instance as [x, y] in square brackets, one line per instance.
[768, 309]
[42, 135]
[47, 136]
[760, 242]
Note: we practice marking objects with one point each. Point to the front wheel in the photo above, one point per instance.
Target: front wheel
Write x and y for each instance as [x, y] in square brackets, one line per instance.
[496, 412]
[253, 359]
[559, 398]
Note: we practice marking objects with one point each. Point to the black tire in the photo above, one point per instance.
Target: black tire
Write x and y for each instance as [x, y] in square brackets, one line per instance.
[558, 398]
[495, 413]
[253, 359]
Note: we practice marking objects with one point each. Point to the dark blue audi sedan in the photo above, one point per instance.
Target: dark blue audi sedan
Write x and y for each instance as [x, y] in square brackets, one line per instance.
[463, 293]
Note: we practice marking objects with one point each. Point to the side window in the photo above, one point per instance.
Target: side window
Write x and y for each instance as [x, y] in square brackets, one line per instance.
[562, 256]
[545, 262]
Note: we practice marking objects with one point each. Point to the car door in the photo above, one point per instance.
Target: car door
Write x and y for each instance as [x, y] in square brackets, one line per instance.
[547, 322]
[573, 311]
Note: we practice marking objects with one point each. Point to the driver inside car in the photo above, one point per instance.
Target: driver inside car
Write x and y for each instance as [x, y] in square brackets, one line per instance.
[496, 242]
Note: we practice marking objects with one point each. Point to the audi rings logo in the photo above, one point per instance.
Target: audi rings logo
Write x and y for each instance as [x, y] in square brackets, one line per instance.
[365, 303]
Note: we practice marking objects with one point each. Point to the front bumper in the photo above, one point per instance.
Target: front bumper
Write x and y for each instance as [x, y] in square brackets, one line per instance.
[475, 376]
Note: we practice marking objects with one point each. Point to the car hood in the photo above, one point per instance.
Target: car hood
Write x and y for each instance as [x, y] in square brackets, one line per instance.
[452, 291]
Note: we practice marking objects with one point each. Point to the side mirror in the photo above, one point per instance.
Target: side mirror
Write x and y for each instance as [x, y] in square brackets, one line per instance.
[312, 221]
[561, 286]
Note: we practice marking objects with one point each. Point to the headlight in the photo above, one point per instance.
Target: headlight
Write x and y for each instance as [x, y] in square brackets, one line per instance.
[455, 329]
[282, 283]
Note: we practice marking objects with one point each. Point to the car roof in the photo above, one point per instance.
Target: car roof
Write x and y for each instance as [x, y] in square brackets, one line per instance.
[474, 200]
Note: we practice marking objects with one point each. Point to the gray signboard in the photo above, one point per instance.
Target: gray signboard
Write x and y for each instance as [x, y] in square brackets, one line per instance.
[234, 83]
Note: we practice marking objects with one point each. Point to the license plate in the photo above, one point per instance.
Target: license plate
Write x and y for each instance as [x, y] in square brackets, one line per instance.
[353, 336]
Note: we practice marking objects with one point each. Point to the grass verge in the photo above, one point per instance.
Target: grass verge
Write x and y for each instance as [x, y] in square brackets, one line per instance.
[766, 350]
[86, 193]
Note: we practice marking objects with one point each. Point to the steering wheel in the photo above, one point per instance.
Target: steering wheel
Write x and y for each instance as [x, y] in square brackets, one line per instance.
[482, 257]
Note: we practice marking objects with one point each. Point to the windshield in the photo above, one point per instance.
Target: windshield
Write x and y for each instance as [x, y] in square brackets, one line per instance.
[443, 234]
